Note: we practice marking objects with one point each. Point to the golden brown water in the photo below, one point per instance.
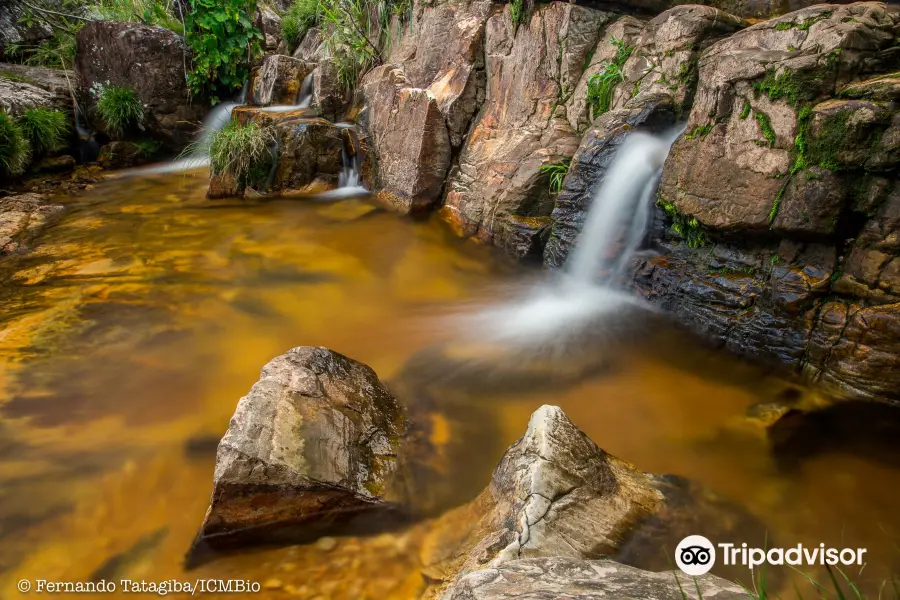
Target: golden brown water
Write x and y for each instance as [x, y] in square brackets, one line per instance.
[132, 330]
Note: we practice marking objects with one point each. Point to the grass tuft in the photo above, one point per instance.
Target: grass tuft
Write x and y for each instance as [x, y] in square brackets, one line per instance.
[602, 85]
[45, 128]
[300, 17]
[14, 149]
[518, 12]
[120, 108]
[240, 150]
[557, 172]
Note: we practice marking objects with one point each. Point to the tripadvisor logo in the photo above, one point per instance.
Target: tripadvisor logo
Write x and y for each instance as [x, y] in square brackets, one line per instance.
[696, 555]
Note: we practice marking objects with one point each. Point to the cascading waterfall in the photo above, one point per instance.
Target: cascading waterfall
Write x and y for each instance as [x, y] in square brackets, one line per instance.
[554, 313]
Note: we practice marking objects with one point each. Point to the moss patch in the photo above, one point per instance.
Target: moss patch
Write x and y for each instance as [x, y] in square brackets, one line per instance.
[788, 85]
[765, 125]
[687, 227]
[699, 131]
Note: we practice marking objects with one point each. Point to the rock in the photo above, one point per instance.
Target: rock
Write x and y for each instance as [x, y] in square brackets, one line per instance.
[560, 577]
[315, 442]
[14, 29]
[746, 116]
[149, 60]
[310, 48]
[407, 132]
[556, 494]
[597, 150]
[278, 80]
[16, 97]
[22, 218]
[330, 98]
[523, 124]
[121, 155]
[56, 164]
[269, 22]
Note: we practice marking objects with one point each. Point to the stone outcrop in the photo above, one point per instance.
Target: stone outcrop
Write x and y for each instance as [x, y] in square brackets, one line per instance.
[23, 87]
[314, 443]
[14, 29]
[558, 577]
[556, 494]
[278, 80]
[269, 23]
[121, 155]
[498, 192]
[777, 236]
[149, 60]
[420, 104]
[305, 148]
[22, 217]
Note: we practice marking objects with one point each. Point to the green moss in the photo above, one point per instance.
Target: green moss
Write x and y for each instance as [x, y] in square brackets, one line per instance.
[765, 125]
[14, 149]
[602, 85]
[150, 148]
[790, 86]
[736, 270]
[636, 89]
[120, 108]
[16, 77]
[699, 131]
[745, 112]
[822, 150]
[777, 203]
[803, 25]
[687, 227]
[46, 129]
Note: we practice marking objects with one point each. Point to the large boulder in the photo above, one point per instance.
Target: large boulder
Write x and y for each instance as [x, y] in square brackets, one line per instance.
[22, 218]
[782, 195]
[149, 60]
[558, 577]
[522, 125]
[314, 443]
[278, 81]
[23, 87]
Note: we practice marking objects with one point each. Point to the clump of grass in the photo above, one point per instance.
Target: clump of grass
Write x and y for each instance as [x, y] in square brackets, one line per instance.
[557, 172]
[517, 12]
[300, 17]
[46, 129]
[602, 85]
[240, 150]
[14, 149]
[120, 108]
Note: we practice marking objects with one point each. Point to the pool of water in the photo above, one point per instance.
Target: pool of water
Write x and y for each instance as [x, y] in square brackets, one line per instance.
[129, 334]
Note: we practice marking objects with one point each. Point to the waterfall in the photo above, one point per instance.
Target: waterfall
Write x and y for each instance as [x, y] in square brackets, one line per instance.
[305, 95]
[618, 215]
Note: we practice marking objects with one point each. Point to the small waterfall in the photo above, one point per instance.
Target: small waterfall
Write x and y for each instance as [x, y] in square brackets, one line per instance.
[618, 215]
[349, 175]
[305, 95]
[88, 148]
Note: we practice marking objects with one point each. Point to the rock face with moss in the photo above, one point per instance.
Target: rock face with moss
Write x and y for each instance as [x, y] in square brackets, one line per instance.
[777, 223]
[498, 192]
[314, 443]
[149, 60]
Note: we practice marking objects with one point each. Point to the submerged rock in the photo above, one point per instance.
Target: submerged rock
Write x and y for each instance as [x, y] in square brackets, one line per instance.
[149, 60]
[558, 577]
[22, 217]
[314, 443]
[121, 155]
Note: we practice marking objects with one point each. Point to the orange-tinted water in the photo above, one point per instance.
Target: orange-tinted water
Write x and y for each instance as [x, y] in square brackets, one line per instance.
[130, 333]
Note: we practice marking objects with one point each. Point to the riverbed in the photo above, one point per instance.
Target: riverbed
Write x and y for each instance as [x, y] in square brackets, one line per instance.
[131, 331]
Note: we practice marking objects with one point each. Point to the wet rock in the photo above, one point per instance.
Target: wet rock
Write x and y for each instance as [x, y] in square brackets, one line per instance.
[409, 137]
[330, 98]
[523, 124]
[559, 577]
[121, 155]
[56, 164]
[314, 443]
[22, 218]
[149, 60]
[588, 167]
[277, 81]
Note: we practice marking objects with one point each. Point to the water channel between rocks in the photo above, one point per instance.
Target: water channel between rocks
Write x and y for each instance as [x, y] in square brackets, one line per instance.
[132, 330]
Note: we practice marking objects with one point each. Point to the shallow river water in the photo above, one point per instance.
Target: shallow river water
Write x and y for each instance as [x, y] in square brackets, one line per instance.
[129, 334]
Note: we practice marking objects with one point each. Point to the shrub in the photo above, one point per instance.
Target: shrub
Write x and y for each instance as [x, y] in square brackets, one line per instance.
[241, 150]
[120, 108]
[14, 149]
[300, 17]
[223, 38]
[45, 128]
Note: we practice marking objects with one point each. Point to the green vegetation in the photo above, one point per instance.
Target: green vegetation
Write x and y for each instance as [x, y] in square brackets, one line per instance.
[765, 125]
[746, 270]
[557, 172]
[601, 85]
[687, 227]
[300, 18]
[517, 12]
[803, 25]
[150, 148]
[745, 112]
[777, 203]
[241, 151]
[223, 40]
[14, 149]
[794, 88]
[150, 12]
[699, 131]
[823, 149]
[800, 143]
[45, 128]
[120, 108]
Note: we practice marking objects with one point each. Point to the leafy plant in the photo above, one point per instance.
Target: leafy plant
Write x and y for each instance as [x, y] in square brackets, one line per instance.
[300, 17]
[14, 150]
[45, 128]
[59, 50]
[120, 108]
[240, 150]
[557, 172]
[223, 39]
[601, 85]
[359, 32]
